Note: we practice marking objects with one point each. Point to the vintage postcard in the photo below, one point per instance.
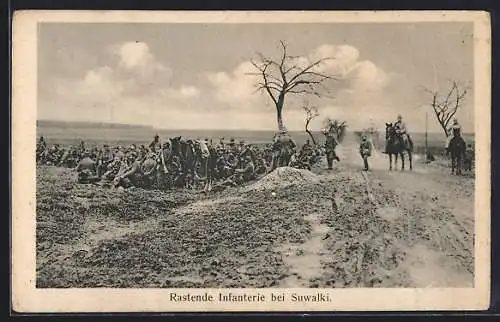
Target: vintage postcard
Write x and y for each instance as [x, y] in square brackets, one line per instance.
[250, 161]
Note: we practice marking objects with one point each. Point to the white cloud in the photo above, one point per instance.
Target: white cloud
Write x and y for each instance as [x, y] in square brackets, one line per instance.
[135, 88]
[134, 54]
[189, 91]
[128, 89]
[365, 75]
[237, 88]
[362, 86]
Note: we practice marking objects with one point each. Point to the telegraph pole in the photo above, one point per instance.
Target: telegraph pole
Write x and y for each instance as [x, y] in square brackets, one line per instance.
[426, 147]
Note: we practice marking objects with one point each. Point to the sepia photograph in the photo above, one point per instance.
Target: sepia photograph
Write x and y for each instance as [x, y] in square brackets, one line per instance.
[254, 157]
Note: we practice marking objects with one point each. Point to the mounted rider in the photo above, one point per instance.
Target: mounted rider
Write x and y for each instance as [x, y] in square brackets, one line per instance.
[401, 130]
[455, 131]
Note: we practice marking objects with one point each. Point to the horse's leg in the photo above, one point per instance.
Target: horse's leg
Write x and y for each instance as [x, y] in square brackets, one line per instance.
[390, 162]
[402, 160]
[459, 164]
[396, 161]
[410, 158]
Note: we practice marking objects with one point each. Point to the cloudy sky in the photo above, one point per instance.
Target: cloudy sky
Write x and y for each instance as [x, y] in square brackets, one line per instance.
[195, 76]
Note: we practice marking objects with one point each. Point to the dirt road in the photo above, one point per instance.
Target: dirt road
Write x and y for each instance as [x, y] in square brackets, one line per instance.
[293, 228]
[428, 212]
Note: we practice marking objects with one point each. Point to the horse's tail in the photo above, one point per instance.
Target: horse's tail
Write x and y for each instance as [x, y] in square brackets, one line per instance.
[410, 144]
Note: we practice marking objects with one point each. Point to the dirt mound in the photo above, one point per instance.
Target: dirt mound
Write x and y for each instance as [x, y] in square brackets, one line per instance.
[282, 177]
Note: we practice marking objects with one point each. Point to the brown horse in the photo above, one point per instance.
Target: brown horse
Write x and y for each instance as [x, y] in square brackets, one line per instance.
[397, 146]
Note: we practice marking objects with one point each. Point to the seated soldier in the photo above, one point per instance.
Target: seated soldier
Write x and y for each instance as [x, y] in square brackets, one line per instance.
[112, 170]
[132, 174]
[306, 148]
[148, 171]
[247, 172]
[87, 169]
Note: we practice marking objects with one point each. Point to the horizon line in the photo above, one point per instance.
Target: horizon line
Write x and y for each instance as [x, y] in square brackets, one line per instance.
[207, 129]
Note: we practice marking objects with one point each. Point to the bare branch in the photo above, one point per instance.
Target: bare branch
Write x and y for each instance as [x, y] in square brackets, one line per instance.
[285, 75]
[308, 68]
[446, 109]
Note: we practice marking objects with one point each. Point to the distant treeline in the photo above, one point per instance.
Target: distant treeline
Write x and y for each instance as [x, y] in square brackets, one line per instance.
[88, 125]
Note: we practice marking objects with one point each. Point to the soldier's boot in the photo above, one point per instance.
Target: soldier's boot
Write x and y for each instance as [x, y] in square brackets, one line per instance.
[330, 163]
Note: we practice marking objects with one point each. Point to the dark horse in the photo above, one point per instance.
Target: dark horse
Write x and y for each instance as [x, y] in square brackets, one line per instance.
[396, 145]
[456, 148]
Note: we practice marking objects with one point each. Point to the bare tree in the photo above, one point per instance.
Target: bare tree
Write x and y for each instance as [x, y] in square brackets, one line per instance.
[311, 113]
[337, 127]
[446, 108]
[285, 75]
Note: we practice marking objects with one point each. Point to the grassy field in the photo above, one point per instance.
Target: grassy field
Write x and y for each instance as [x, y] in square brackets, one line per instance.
[98, 134]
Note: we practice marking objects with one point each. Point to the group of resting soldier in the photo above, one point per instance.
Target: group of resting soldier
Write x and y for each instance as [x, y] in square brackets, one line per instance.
[161, 165]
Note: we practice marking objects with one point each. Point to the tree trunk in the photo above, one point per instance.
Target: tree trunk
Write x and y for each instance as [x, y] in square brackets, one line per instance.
[280, 119]
[279, 109]
[310, 134]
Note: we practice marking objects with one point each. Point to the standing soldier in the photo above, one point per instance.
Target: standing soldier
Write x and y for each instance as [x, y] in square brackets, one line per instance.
[330, 145]
[241, 147]
[284, 148]
[41, 148]
[104, 159]
[365, 150]
[82, 147]
[231, 145]
[469, 157]
[155, 145]
[220, 145]
[164, 176]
